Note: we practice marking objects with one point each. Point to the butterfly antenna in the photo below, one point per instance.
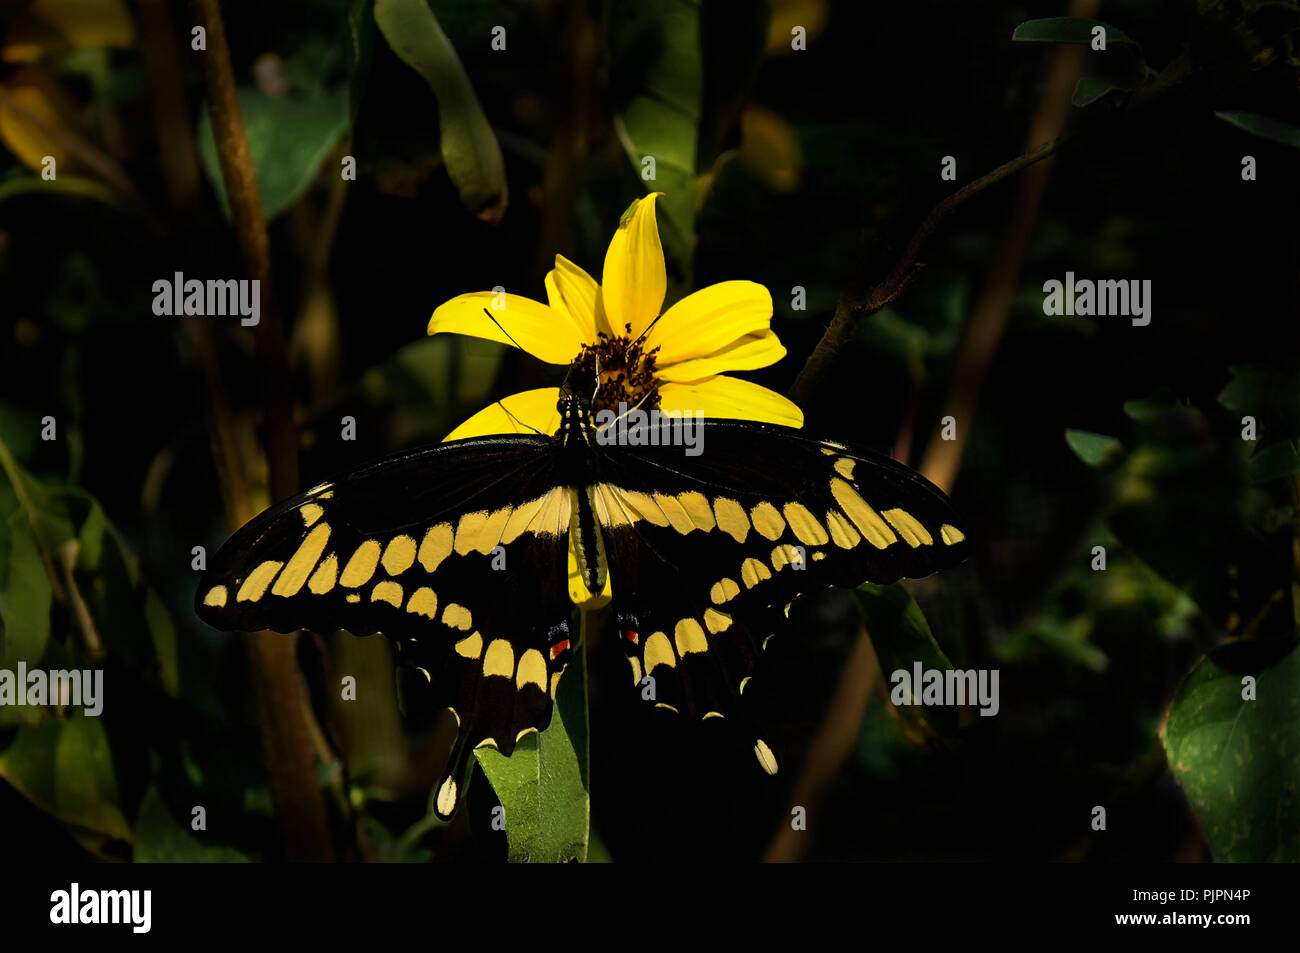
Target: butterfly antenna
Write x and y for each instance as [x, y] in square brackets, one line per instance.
[643, 399]
[521, 423]
[641, 336]
[504, 331]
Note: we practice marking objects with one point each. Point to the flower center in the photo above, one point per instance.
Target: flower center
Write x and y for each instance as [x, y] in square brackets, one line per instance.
[623, 372]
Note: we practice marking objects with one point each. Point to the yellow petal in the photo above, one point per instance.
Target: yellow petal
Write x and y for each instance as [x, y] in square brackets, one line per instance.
[34, 106]
[730, 397]
[525, 412]
[751, 351]
[572, 291]
[51, 25]
[634, 281]
[710, 320]
[546, 334]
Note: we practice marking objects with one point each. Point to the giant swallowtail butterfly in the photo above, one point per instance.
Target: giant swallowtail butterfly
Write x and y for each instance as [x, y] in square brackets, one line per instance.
[701, 555]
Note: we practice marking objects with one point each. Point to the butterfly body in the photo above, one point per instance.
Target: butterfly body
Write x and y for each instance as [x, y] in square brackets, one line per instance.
[461, 553]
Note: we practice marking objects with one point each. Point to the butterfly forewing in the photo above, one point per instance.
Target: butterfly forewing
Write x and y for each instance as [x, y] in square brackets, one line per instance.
[457, 552]
[706, 552]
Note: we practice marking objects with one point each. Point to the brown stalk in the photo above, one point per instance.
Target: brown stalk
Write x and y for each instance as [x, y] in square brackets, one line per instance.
[286, 735]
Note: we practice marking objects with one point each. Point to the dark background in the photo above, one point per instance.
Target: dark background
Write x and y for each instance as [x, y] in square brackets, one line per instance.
[1088, 663]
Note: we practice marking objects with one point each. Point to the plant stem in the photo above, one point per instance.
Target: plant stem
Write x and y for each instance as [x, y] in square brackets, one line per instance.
[286, 737]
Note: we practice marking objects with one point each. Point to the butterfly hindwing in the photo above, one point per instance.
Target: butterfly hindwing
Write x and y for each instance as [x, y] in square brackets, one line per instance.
[456, 552]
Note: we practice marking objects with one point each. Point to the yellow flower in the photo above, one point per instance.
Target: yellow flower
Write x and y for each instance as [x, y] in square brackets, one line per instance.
[673, 361]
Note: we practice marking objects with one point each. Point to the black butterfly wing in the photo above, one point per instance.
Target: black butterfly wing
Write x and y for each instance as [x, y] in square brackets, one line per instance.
[706, 552]
[456, 551]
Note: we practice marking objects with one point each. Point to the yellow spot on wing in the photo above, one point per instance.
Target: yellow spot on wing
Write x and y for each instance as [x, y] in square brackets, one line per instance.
[216, 596]
[399, 555]
[675, 513]
[387, 591]
[470, 646]
[752, 572]
[689, 637]
[608, 509]
[873, 528]
[658, 651]
[361, 566]
[805, 525]
[716, 621]
[353, 597]
[697, 508]
[423, 602]
[457, 617]
[532, 670]
[436, 546]
[310, 513]
[723, 590]
[326, 574]
[844, 466]
[644, 506]
[500, 659]
[481, 531]
[731, 518]
[765, 756]
[842, 531]
[520, 518]
[785, 555]
[636, 670]
[302, 562]
[446, 802]
[909, 527]
[254, 586]
[951, 534]
[767, 520]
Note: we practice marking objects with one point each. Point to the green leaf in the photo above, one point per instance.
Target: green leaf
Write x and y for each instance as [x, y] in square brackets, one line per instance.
[1239, 760]
[158, 838]
[469, 146]
[543, 784]
[657, 73]
[1094, 449]
[1273, 463]
[25, 599]
[1268, 395]
[902, 637]
[1089, 89]
[65, 767]
[288, 139]
[1066, 30]
[1272, 129]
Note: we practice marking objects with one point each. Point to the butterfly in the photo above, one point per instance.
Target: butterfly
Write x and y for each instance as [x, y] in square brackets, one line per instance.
[699, 538]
